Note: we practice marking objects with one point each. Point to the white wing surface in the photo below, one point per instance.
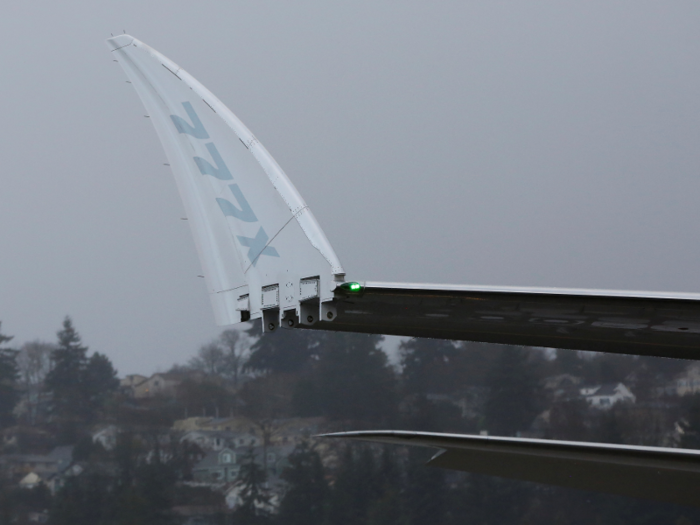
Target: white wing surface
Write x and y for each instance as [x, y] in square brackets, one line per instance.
[662, 474]
[261, 249]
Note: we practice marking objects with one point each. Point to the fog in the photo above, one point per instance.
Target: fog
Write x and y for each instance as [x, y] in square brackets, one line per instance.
[532, 144]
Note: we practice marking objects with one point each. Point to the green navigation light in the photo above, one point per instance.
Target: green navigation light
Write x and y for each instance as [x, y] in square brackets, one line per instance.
[351, 287]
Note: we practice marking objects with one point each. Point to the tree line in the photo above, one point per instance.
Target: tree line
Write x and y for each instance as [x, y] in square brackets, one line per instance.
[348, 381]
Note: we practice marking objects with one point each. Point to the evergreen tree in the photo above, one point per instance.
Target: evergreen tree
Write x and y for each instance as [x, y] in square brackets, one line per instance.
[569, 362]
[306, 499]
[512, 403]
[100, 380]
[8, 381]
[81, 501]
[281, 351]
[66, 380]
[255, 499]
[387, 508]
[567, 420]
[154, 483]
[691, 422]
[355, 378]
[342, 509]
[79, 385]
[426, 491]
[429, 366]
[357, 487]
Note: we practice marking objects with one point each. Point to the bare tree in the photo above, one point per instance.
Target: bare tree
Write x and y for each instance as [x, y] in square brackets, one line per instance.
[34, 362]
[210, 359]
[224, 356]
[237, 352]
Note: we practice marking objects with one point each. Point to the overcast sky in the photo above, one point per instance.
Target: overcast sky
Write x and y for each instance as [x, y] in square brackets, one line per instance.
[517, 143]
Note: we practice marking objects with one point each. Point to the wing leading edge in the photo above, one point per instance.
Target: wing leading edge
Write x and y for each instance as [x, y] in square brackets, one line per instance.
[662, 474]
[644, 323]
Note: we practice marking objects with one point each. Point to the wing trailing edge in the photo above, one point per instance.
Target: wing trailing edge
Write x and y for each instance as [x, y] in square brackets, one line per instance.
[642, 323]
[661, 474]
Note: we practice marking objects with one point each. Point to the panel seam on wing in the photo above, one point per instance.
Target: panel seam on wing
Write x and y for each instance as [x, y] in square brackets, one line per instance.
[252, 263]
[335, 269]
[125, 45]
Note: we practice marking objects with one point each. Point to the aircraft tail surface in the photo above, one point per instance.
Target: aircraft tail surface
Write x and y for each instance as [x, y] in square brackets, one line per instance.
[263, 253]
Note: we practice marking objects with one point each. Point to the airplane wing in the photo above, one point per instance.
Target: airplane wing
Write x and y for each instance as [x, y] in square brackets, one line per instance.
[265, 256]
[644, 323]
[662, 474]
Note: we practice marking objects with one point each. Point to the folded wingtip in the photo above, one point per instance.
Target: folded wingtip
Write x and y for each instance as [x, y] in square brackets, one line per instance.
[119, 41]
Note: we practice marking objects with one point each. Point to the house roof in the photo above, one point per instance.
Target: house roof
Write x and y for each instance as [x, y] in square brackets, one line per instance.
[30, 479]
[608, 389]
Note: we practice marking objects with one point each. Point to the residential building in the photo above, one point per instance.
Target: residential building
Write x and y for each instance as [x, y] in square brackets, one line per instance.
[222, 466]
[158, 385]
[219, 466]
[106, 436]
[688, 382]
[607, 395]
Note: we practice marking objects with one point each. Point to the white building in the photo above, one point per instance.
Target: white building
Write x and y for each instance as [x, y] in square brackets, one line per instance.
[605, 396]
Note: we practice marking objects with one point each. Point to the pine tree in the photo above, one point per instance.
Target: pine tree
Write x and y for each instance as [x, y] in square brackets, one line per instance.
[428, 365]
[283, 351]
[66, 381]
[79, 385]
[306, 500]
[355, 378]
[255, 499]
[512, 403]
[425, 496]
[8, 380]
[342, 509]
[387, 508]
[691, 422]
[100, 380]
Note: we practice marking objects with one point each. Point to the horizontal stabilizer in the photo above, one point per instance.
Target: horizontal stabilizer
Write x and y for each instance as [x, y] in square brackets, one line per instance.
[662, 474]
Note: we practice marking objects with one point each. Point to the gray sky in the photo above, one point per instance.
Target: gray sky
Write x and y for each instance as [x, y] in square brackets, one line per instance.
[519, 143]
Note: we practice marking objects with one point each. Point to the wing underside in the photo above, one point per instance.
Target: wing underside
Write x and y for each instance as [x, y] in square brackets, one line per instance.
[662, 474]
[643, 323]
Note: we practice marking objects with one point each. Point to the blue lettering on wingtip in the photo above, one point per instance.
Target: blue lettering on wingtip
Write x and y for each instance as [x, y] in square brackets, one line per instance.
[221, 171]
[244, 213]
[196, 129]
[257, 246]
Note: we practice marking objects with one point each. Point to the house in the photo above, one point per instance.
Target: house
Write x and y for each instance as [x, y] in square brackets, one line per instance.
[562, 385]
[688, 382]
[605, 396]
[55, 482]
[219, 466]
[27, 438]
[131, 381]
[210, 440]
[191, 423]
[223, 466]
[30, 481]
[43, 465]
[234, 498]
[196, 514]
[158, 385]
[106, 436]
